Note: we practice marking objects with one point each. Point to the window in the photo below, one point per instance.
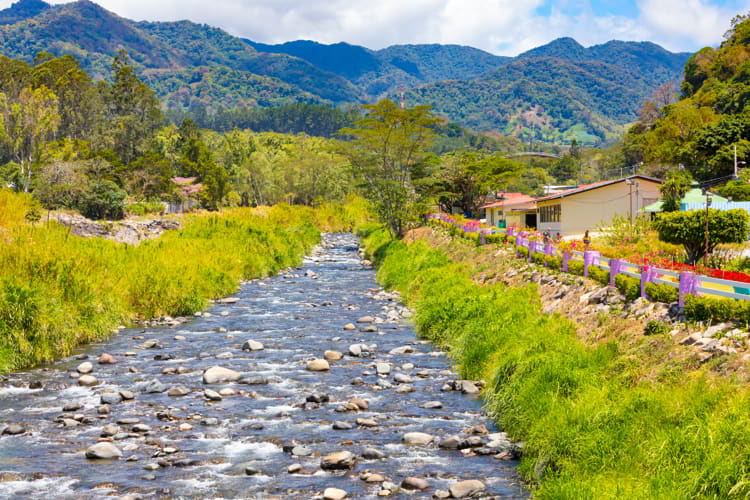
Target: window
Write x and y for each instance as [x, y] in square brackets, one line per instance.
[550, 213]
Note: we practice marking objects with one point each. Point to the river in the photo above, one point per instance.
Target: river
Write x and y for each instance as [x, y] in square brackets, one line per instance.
[266, 436]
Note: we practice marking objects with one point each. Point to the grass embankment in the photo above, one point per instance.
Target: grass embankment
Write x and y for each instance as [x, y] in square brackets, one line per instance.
[58, 291]
[592, 430]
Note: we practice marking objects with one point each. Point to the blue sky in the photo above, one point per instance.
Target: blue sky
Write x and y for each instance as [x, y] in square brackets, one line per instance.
[503, 27]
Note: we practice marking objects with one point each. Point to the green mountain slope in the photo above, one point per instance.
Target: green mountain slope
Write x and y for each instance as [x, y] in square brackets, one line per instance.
[556, 92]
[23, 9]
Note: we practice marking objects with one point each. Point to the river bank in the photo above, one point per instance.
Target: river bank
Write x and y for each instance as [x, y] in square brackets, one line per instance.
[59, 291]
[307, 385]
[605, 411]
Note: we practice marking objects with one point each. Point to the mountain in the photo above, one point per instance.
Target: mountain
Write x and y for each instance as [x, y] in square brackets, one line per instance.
[556, 92]
[378, 71]
[23, 9]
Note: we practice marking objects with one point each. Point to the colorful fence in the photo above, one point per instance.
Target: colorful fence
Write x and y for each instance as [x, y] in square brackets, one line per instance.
[686, 282]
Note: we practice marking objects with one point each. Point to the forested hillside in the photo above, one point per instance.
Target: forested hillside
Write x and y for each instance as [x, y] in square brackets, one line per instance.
[712, 118]
[555, 93]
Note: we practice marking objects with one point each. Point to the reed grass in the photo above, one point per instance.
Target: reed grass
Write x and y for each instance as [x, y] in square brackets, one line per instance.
[58, 291]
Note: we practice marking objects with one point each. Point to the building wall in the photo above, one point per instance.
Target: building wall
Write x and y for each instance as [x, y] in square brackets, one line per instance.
[592, 209]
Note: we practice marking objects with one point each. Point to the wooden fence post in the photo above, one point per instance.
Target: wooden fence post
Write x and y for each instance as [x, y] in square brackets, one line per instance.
[688, 283]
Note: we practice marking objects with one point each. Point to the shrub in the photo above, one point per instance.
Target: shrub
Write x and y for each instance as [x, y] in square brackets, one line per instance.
[661, 293]
[630, 287]
[104, 200]
[656, 327]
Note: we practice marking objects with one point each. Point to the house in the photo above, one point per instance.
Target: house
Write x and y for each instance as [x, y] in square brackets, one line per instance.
[513, 209]
[188, 192]
[589, 206]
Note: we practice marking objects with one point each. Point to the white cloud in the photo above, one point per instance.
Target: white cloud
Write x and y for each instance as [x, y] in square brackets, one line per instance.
[504, 27]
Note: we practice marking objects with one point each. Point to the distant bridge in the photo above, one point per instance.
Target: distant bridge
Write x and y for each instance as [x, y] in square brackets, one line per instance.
[537, 154]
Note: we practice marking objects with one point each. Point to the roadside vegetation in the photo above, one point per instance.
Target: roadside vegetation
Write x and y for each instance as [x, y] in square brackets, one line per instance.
[605, 418]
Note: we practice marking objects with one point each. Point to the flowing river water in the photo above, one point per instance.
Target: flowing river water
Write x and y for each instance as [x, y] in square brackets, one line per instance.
[267, 435]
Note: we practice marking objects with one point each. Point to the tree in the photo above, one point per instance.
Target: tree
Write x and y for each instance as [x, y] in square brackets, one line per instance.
[388, 154]
[689, 230]
[674, 189]
[132, 107]
[104, 200]
[29, 121]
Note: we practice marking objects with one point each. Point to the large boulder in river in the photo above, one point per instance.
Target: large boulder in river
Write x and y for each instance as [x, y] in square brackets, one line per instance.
[340, 460]
[252, 345]
[318, 365]
[218, 375]
[417, 438]
[103, 451]
[464, 489]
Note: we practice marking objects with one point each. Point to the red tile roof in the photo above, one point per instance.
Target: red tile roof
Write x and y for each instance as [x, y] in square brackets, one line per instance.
[511, 199]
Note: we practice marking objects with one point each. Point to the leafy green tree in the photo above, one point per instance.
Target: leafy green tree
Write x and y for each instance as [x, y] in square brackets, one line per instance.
[689, 230]
[388, 153]
[133, 109]
[674, 189]
[104, 200]
[29, 121]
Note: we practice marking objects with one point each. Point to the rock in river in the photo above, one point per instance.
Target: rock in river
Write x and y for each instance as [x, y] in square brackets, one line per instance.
[414, 483]
[332, 355]
[87, 380]
[85, 367]
[334, 494]
[103, 451]
[217, 375]
[464, 489]
[252, 345]
[417, 438]
[340, 460]
[318, 365]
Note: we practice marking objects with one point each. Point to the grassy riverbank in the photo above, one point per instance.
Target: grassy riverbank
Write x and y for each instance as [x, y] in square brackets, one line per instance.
[592, 429]
[58, 291]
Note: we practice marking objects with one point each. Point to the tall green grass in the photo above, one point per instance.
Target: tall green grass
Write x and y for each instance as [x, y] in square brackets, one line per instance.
[591, 429]
[58, 291]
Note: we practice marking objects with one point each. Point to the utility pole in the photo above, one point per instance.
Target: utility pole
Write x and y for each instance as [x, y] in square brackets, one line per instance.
[705, 248]
[735, 161]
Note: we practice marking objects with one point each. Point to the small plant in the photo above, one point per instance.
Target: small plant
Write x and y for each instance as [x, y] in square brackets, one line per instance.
[33, 216]
[656, 327]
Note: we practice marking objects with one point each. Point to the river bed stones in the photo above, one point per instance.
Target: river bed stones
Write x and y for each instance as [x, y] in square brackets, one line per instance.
[298, 422]
[106, 359]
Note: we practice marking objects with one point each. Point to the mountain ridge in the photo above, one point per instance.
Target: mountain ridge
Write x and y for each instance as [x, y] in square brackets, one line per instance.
[598, 88]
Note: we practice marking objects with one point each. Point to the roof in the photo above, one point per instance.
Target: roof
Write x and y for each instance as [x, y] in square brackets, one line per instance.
[588, 187]
[695, 195]
[512, 199]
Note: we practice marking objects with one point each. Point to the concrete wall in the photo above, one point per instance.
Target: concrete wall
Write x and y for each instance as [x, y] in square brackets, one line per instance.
[595, 208]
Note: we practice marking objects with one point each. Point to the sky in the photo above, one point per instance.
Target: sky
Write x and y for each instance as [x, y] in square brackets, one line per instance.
[502, 27]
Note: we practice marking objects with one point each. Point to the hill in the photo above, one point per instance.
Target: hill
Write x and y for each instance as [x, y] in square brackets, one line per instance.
[559, 91]
[702, 129]
[556, 92]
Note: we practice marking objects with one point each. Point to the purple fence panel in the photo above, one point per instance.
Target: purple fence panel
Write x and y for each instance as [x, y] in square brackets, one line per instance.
[614, 267]
[565, 259]
[688, 284]
[648, 274]
[511, 231]
[590, 257]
